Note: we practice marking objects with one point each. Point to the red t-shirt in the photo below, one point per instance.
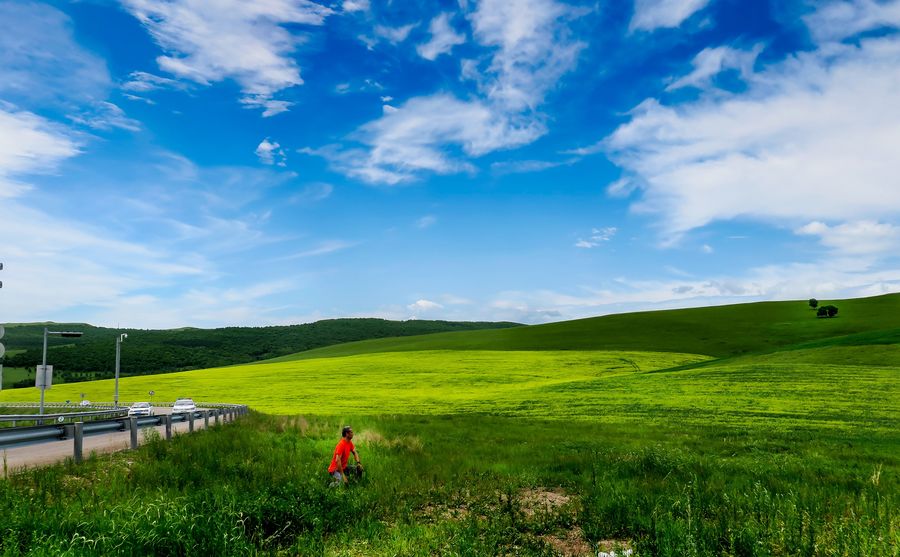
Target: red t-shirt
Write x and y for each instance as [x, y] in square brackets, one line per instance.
[341, 455]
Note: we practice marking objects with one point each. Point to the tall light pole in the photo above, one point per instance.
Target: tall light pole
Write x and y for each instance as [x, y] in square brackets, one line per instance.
[119, 340]
[43, 383]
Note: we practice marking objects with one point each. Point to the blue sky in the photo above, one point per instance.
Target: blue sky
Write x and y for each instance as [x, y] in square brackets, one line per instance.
[166, 163]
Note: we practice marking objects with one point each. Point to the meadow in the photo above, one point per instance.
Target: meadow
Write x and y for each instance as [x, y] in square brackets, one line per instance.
[784, 445]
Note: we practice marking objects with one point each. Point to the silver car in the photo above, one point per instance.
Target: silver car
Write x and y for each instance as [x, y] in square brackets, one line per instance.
[140, 409]
[183, 406]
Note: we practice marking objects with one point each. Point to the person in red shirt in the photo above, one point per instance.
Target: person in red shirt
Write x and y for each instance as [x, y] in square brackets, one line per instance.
[338, 466]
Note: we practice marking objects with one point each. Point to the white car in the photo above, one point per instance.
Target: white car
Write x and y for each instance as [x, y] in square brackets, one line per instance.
[85, 403]
[184, 405]
[140, 409]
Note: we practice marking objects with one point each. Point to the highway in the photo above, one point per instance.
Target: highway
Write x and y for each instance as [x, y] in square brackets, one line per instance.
[41, 454]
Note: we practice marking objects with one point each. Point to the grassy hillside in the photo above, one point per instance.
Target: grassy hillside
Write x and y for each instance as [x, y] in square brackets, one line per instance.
[777, 436]
[603, 386]
[92, 356]
[720, 331]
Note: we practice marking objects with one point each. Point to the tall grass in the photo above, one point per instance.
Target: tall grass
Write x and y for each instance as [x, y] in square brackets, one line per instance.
[451, 485]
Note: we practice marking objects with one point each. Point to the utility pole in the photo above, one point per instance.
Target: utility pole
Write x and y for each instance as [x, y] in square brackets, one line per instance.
[119, 340]
[2, 332]
[43, 377]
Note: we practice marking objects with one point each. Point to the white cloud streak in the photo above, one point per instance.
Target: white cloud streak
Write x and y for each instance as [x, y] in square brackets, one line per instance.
[248, 42]
[816, 137]
[40, 61]
[856, 238]
[712, 61]
[29, 144]
[837, 20]
[531, 50]
[394, 35]
[654, 14]
[426, 222]
[324, 248]
[443, 38]
[350, 6]
[598, 236]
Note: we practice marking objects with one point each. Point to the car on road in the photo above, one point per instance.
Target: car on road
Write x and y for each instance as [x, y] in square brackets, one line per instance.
[184, 405]
[85, 403]
[140, 409]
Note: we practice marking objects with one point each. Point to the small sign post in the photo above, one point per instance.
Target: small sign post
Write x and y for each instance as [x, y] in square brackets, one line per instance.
[43, 377]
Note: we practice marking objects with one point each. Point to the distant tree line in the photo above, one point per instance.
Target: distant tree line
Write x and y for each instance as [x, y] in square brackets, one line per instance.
[92, 356]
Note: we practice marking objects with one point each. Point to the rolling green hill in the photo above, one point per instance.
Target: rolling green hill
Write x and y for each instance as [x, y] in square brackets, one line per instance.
[720, 331]
[752, 429]
[92, 356]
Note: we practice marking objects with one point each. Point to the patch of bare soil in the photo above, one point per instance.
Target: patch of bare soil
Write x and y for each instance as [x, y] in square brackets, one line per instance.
[614, 548]
[534, 500]
[572, 544]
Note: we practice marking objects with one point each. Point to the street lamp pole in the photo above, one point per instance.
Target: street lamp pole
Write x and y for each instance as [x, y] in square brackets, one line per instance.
[119, 340]
[70, 334]
[43, 368]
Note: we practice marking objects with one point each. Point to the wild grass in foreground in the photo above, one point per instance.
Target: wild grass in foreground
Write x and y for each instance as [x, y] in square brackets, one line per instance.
[471, 485]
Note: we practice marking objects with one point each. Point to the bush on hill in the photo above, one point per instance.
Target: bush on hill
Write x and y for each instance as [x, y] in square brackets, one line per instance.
[827, 311]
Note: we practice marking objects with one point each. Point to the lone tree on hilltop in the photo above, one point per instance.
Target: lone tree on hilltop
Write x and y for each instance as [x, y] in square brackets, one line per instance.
[813, 303]
[827, 311]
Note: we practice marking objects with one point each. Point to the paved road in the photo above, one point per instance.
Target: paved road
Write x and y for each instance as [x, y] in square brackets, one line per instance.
[41, 454]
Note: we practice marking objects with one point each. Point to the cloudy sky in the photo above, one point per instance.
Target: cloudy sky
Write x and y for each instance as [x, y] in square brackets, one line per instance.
[166, 163]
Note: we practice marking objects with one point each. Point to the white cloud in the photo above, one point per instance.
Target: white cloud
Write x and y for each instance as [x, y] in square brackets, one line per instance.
[355, 5]
[443, 38]
[313, 193]
[597, 237]
[40, 61]
[409, 140]
[53, 264]
[424, 305]
[653, 14]
[816, 137]
[106, 116]
[143, 82]
[394, 35]
[29, 144]
[706, 248]
[531, 49]
[856, 238]
[840, 19]
[231, 39]
[270, 152]
[712, 61]
[324, 248]
[426, 222]
[526, 166]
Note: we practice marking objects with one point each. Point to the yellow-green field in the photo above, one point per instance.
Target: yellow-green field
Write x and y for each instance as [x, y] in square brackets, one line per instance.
[604, 386]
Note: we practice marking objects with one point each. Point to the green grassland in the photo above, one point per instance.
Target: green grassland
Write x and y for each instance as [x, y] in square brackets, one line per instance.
[11, 375]
[772, 391]
[752, 430]
[719, 331]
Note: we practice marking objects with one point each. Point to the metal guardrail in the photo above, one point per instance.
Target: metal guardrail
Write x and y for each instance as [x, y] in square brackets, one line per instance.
[61, 431]
[61, 417]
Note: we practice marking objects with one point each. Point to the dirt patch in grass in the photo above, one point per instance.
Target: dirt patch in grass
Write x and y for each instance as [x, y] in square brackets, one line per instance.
[569, 544]
[538, 499]
[614, 548]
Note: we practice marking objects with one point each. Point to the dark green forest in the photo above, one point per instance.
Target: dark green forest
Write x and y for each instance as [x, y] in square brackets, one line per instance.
[92, 356]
